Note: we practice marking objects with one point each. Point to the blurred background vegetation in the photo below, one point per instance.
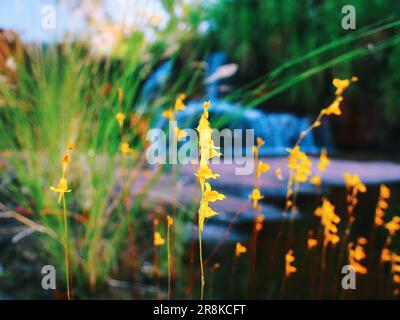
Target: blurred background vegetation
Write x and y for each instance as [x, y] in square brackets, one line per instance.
[260, 35]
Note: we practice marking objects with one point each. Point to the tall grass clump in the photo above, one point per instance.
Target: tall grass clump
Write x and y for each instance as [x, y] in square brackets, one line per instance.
[64, 96]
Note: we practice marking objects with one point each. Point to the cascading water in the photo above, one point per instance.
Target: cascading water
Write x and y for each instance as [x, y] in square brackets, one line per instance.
[279, 130]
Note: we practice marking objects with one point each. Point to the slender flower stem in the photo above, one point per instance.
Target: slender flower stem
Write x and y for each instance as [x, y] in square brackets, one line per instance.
[169, 262]
[201, 266]
[67, 264]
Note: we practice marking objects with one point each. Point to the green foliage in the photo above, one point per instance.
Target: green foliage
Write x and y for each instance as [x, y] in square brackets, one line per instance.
[261, 35]
[62, 95]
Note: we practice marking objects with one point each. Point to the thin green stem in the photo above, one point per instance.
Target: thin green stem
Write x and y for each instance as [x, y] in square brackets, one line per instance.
[66, 249]
[169, 262]
[201, 266]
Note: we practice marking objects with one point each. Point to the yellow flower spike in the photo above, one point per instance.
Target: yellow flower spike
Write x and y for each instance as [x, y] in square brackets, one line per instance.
[169, 114]
[256, 196]
[323, 160]
[329, 220]
[300, 164]
[289, 259]
[207, 151]
[61, 189]
[179, 105]
[393, 226]
[262, 168]
[125, 149]
[158, 240]
[120, 117]
[70, 146]
[240, 249]
[356, 255]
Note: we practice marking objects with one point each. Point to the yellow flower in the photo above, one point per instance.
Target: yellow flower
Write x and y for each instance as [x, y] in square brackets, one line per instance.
[316, 181]
[205, 212]
[125, 149]
[311, 243]
[179, 105]
[240, 249]
[323, 161]
[340, 85]
[204, 173]
[256, 196]
[260, 142]
[278, 174]
[379, 215]
[395, 262]
[170, 220]
[262, 168]
[259, 222]
[329, 220]
[393, 226]
[212, 195]
[120, 119]
[386, 255]
[206, 105]
[334, 108]
[61, 188]
[354, 181]
[169, 114]
[384, 192]
[289, 259]
[158, 240]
